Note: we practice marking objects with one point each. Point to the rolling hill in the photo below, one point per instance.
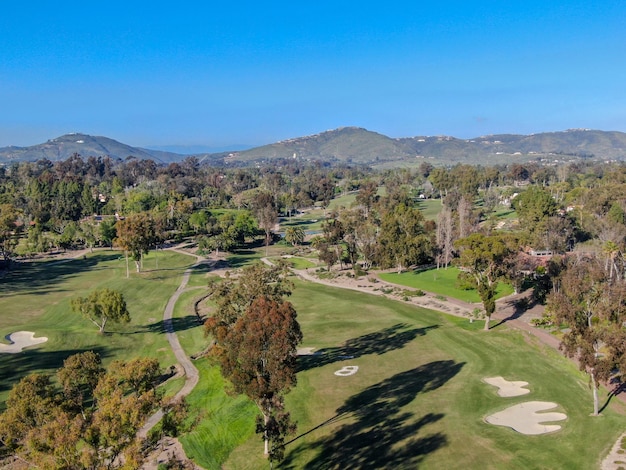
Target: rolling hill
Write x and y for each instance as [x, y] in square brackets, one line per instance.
[359, 146]
[85, 145]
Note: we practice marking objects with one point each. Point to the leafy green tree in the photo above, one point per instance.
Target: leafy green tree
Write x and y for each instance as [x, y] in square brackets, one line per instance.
[88, 201]
[266, 215]
[9, 230]
[294, 235]
[485, 259]
[367, 195]
[89, 233]
[403, 239]
[79, 377]
[199, 221]
[233, 296]
[100, 306]
[135, 235]
[534, 205]
[30, 404]
[107, 231]
[327, 253]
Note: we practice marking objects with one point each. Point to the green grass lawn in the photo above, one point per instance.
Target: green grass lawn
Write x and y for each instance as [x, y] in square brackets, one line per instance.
[224, 420]
[430, 208]
[36, 297]
[309, 221]
[344, 201]
[418, 399]
[442, 282]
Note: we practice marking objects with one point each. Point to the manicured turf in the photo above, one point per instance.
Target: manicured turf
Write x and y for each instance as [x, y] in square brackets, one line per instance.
[418, 399]
[430, 208]
[36, 297]
[442, 282]
[224, 420]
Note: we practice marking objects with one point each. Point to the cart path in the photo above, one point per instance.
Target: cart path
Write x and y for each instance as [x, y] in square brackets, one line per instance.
[191, 373]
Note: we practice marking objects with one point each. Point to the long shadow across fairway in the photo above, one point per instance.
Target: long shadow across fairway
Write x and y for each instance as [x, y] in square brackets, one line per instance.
[40, 277]
[178, 323]
[381, 433]
[379, 342]
[18, 366]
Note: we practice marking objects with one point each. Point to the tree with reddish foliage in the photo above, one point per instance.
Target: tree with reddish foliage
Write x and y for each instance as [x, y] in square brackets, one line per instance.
[258, 355]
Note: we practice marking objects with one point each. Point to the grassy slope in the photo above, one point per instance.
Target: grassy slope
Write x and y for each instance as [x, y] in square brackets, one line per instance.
[442, 282]
[36, 297]
[418, 397]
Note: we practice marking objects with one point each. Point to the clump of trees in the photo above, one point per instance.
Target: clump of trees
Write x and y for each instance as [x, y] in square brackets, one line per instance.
[592, 305]
[87, 419]
[255, 334]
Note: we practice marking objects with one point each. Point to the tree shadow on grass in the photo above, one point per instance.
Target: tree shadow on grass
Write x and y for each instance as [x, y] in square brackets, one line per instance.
[381, 433]
[175, 324]
[239, 258]
[41, 277]
[14, 367]
[518, 305]
[379, 342]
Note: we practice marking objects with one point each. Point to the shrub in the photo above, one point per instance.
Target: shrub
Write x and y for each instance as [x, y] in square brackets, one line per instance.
[465, 281]
[543, 322]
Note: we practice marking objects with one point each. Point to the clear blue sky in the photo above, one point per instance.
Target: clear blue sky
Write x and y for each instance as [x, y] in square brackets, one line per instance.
[256, 72]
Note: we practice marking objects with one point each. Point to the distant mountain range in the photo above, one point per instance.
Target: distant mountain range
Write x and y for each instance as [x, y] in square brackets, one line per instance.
[358, 146]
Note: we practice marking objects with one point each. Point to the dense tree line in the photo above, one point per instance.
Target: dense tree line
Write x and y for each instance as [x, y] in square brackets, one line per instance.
[571, 211]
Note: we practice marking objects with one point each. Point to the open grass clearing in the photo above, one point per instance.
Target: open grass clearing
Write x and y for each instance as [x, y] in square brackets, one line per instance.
[442, 282]
[429, 208]
[36, 297]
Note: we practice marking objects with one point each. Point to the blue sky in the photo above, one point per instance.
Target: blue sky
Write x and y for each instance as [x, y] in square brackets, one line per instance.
[208, 73]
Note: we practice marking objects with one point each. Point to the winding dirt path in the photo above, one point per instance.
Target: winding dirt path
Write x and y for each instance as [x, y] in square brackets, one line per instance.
[171, 447]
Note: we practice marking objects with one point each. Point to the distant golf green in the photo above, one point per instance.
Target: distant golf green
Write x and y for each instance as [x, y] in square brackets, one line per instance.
[442, 282]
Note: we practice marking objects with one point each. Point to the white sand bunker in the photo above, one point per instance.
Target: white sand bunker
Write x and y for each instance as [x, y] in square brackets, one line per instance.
[347, 370]
[508, 388]
[305, 351]
[20, 340]
[526, 419]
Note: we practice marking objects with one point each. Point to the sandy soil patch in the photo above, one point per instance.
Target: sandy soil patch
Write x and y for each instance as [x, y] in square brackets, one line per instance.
[508, 388]
[306, 351]
[20, 340]
[526, 418]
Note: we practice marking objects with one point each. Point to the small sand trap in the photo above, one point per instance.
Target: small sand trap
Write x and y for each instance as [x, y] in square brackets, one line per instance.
[347, 370]
[305, 351]
[20, 340]
[526, 419]
[507, 388]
